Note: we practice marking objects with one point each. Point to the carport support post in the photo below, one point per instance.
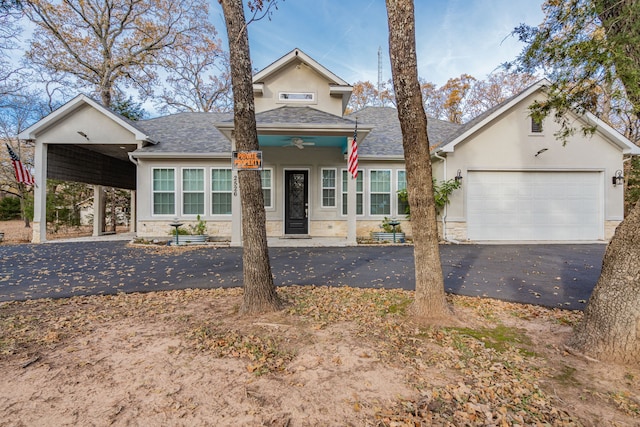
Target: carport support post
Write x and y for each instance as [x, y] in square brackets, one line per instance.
[39, 222]
[133, 211]
[98, 211]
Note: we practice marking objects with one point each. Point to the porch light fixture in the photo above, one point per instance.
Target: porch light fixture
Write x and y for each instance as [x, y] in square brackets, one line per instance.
[458, 176]
[617, 179]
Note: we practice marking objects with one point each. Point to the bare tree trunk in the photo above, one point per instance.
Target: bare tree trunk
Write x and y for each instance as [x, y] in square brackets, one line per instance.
[610, 328]
[259, 290]
[430, 297]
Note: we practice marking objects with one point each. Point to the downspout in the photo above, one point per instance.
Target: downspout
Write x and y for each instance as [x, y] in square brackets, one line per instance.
[444, 214]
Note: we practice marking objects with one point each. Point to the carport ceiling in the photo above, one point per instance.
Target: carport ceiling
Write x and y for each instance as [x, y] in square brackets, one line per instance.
[117, 151]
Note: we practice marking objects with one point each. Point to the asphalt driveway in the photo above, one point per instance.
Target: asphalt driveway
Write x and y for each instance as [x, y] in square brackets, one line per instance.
[549, 275]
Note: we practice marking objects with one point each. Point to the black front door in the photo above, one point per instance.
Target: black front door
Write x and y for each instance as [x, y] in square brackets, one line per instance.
[296, 200]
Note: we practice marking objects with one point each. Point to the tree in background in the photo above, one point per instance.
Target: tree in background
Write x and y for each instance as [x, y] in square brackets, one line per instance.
[110, 45]
[259, 290]
[430, 299]
[11, 80]
[459, 100]
[591, 47]
[365, 94]
[200, 80]
[494, 90]
[17, 113]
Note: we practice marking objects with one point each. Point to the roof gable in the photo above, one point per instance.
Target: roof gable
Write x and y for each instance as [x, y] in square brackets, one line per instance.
[76, 104]
[476, 124]
[297, 55]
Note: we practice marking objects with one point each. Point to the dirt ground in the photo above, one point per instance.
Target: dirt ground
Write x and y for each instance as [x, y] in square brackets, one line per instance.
[332, 357]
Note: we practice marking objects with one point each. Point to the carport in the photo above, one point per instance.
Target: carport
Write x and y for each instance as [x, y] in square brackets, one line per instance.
[84, 142]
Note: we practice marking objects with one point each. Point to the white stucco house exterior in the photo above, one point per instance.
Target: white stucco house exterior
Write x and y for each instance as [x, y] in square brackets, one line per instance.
[518, 182]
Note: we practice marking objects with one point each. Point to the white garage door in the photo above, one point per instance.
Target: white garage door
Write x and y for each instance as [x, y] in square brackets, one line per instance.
[534, 206]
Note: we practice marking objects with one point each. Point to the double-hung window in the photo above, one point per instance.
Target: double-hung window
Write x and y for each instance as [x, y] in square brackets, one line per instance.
[193, 191]
[164, 196]
[267, 187]
[380, 192]
[359, 192]
[329, 186]
[403, 206]
[221, 191]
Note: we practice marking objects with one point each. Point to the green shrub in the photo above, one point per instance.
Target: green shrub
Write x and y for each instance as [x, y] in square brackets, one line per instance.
[9, 208]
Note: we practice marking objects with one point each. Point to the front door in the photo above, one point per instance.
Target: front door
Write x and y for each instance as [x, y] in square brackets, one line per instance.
[296, 200]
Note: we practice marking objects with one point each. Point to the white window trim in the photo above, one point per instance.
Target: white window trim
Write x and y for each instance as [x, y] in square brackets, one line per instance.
[282, 100]
[270, 206]
[531, 128]
[211, 192]
[334, 188]
[370, 193]
[204, 191]
[343, 190]
[153, 192]
[397, 187]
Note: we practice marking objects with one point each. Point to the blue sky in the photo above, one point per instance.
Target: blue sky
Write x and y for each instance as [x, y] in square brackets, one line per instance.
[453, 36]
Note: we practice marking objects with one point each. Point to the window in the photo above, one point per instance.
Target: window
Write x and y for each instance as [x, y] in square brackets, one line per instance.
[536, 125]
[380, 192]
[221, 191]
[329, 185]
[402, 185]
[296, 96]
[193, 191]
[359, 192]
[267, 186]
[164, 192]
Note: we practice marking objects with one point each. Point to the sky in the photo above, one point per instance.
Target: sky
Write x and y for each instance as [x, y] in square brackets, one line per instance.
[452, 36]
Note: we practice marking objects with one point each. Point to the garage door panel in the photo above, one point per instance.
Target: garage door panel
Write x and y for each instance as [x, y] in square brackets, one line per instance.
[534, 205]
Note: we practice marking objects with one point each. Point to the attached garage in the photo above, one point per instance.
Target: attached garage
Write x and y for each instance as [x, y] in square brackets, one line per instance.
[540, 205]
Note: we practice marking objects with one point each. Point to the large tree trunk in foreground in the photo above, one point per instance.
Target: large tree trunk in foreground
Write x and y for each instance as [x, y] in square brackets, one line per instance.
[259, 290]
[610, 329]
[430, 299]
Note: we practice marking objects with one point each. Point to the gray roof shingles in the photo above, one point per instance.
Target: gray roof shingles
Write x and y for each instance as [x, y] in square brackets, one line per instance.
[385, 138]
[196, 132]
[186, 133]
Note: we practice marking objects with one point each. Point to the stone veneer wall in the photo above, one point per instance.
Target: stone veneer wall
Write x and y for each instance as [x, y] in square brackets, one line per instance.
[610, 229]
[219, 230]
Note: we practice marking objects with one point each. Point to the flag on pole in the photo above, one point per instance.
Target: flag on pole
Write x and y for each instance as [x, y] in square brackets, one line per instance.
[353, 156]
[22, 173]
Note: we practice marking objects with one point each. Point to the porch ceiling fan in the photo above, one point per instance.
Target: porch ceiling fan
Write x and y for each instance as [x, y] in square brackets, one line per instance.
[300, 143]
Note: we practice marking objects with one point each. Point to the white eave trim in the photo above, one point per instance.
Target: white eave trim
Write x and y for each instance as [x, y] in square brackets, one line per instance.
[612, 135]
[177, 155]
[258, 88]
[340, 90]
[31, 132]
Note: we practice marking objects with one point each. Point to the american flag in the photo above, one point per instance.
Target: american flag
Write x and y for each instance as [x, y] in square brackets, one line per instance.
[22, 173]
[353, 157]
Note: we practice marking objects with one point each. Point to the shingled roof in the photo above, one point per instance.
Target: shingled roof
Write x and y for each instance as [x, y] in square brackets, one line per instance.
[186, 133]
[385, 138]
[196, 132]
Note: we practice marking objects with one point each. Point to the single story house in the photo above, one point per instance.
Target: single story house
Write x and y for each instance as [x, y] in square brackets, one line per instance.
[518, 182]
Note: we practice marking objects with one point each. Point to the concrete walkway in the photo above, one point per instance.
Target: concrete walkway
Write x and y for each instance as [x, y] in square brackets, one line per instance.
[549, 275]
